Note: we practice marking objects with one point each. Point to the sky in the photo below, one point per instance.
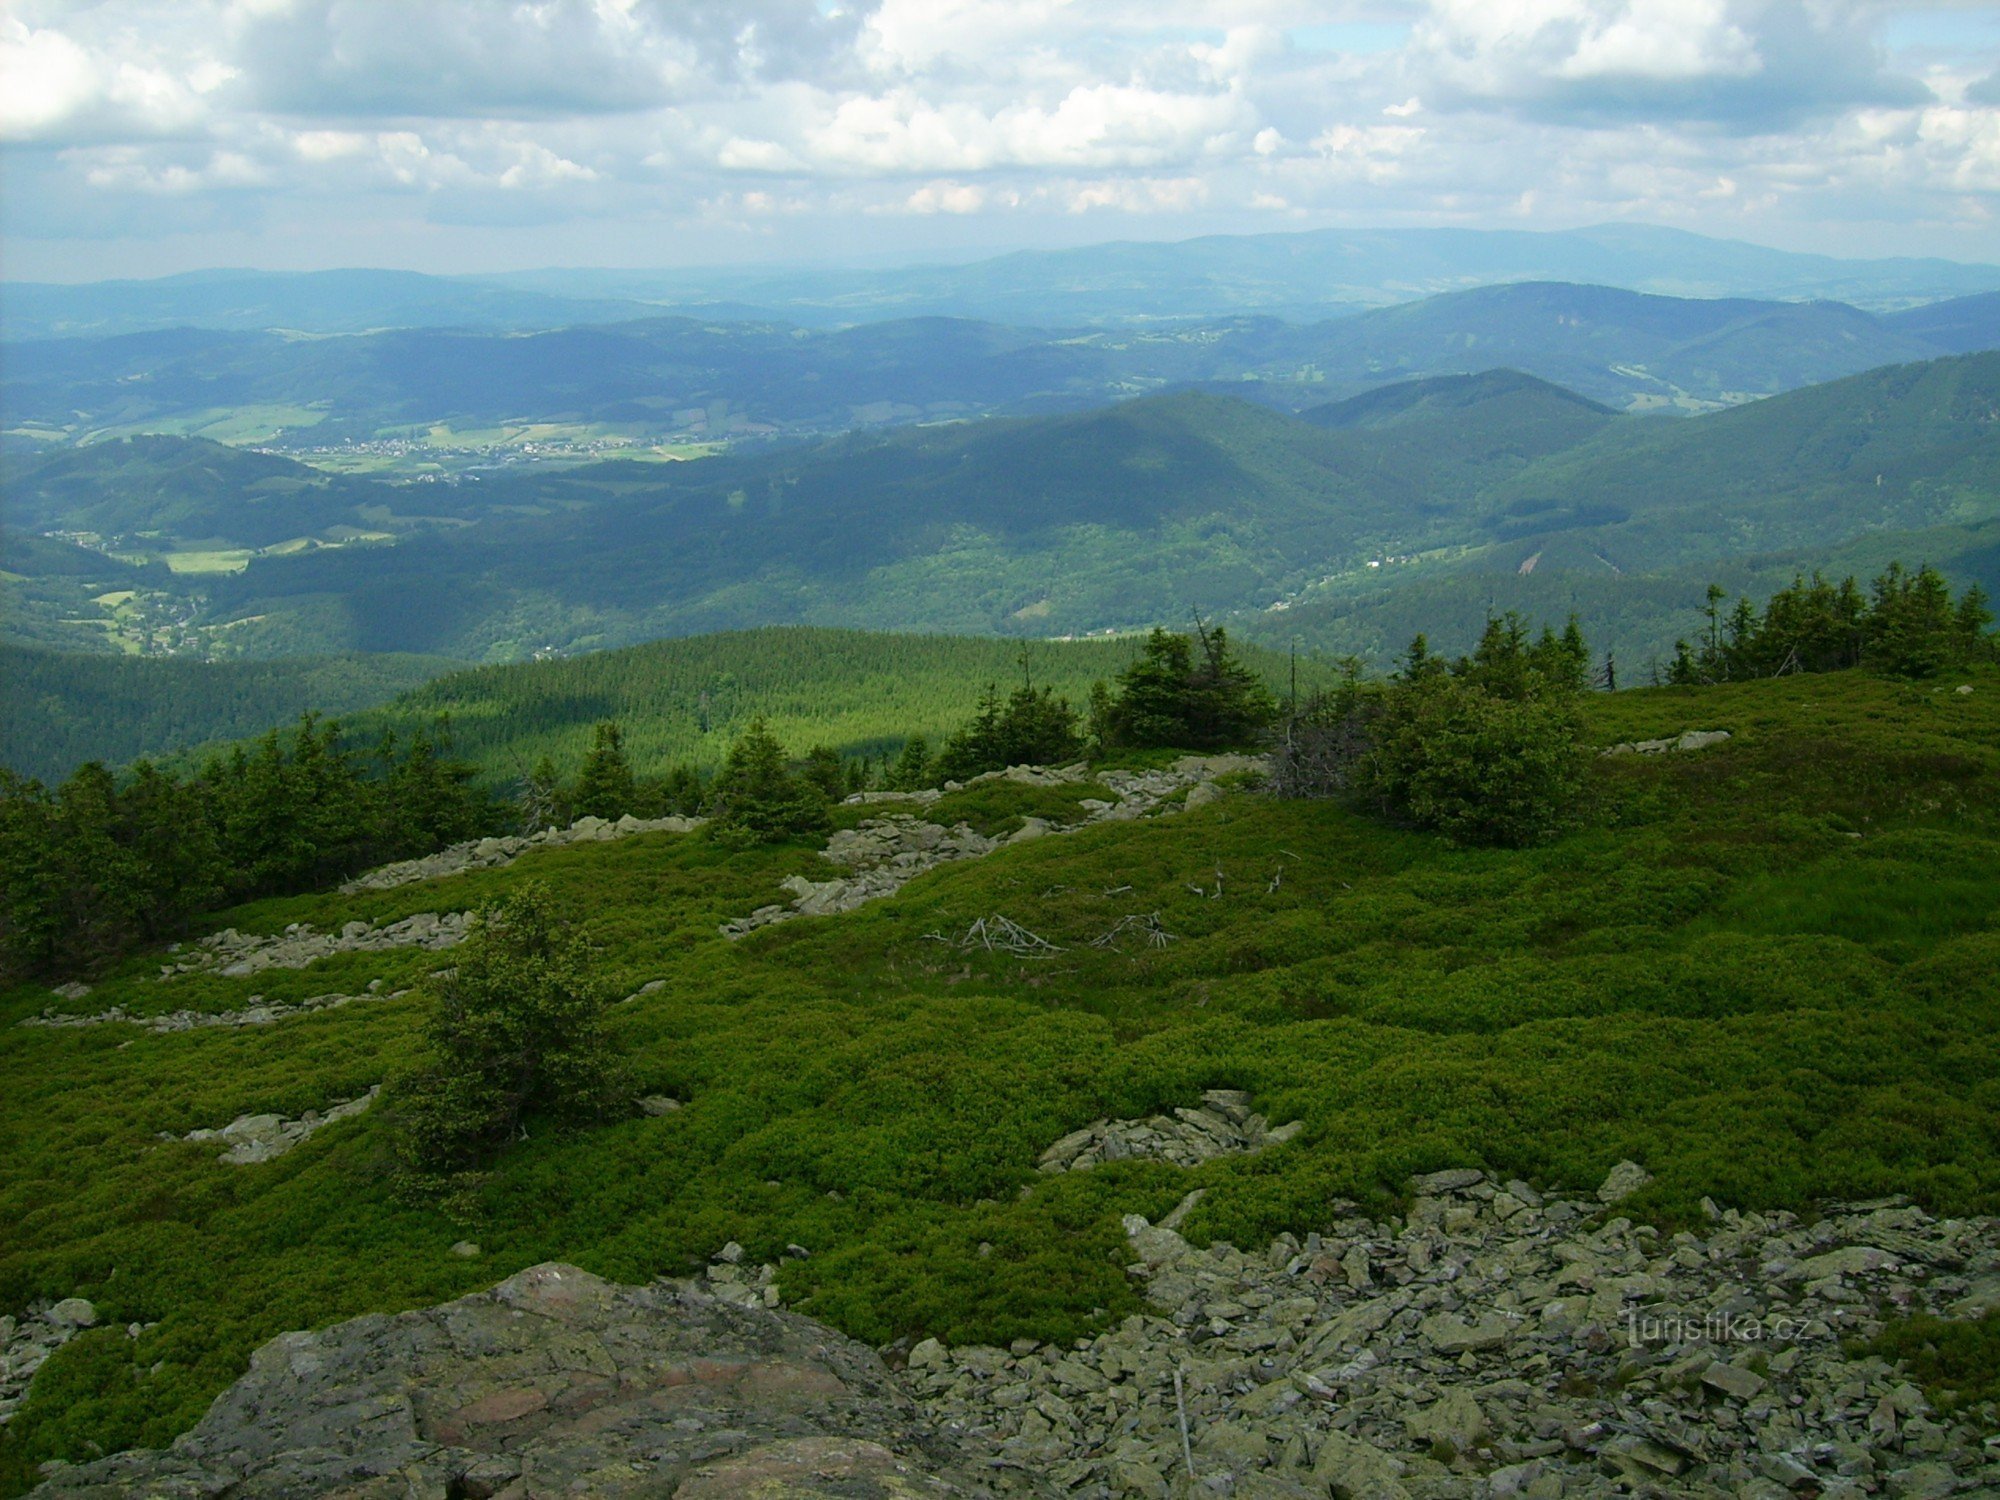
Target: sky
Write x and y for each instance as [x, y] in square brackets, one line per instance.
[145, 137]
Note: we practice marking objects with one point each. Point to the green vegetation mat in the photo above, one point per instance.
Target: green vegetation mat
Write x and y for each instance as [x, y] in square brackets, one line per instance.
[1769, 971]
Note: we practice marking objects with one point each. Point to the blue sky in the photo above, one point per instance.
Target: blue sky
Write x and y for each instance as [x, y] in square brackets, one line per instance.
[143, 137]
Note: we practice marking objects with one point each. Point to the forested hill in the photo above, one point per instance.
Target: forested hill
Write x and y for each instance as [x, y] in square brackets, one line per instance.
[60, 709]
[1118, 518]
[679, 701]
[684, 701]
[1123, 517]
[185, 489]
[1902, 447]
[1460, 492]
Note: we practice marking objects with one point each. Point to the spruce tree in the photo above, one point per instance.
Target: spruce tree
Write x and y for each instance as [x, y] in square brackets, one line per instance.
[756, 799]
[824, 772]
[1172, 696]
[912, 770]
[604, 787]
[515, 1031]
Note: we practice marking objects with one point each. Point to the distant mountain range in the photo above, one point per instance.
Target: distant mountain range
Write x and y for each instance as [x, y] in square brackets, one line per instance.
[297, 301]
[686, 379]
[1301, 277]
[1438, 498]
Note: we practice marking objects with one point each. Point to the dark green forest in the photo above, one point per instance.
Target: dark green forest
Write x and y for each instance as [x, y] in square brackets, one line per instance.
[63, 708]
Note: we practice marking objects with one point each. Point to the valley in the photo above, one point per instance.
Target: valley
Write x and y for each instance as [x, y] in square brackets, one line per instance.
[1342, 529]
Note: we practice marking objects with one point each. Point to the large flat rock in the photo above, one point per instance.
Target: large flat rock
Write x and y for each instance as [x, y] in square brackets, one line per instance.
[553, 1383]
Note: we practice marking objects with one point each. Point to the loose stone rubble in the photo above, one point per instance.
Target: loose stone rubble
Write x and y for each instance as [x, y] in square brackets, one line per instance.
[237, 955]
[257, 1138]
[1222, 1126]
[728, 1278]
[26, 1343]
[884, 854]
[258, 1012]
[1496, 1343]
[1491, 1343]
[488, 853]
[1693, 739]
[553, 1383]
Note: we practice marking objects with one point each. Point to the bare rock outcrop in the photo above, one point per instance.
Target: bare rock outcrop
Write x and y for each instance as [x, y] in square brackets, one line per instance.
[27, 1341]
[257, 1012]
[237, 955]
[882, 855]
[1223, 1125]
[1692, 739]
[249, 1139]
[1496, 1342]
[1492, 1342]
[489, 853]
[554, 1383]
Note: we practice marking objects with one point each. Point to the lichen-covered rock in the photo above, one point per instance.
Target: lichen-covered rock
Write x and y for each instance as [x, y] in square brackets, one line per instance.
[1223, 1126]
[1692, 739]
[257, 1012]
[27, 1341]
[1497, 1342]
[489, 853]
[237, 955]
[554, 1383]
[882, 855]
[249, 1139]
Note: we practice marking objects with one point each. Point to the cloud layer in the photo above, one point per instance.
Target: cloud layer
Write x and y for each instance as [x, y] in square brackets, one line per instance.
[149, 134]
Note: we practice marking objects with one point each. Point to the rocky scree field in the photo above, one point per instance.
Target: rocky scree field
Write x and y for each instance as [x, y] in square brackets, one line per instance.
[1765, 971]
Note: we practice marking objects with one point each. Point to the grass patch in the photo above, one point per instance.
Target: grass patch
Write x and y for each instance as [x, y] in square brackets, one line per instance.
[218, 560]
[997, 808]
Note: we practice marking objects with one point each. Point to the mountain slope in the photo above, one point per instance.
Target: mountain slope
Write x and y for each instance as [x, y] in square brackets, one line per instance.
[182, 488]
[1619, 347]
[684, 701]
[1525, 399]
[1714, 974]
[1455, 434]
[1629, 527]
[1904, 447]
[1126, 516]
[1961, 325]
[1108, 518]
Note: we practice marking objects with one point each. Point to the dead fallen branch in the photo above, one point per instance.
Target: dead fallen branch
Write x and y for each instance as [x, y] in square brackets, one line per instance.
[999, 934]
[1147, 926]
